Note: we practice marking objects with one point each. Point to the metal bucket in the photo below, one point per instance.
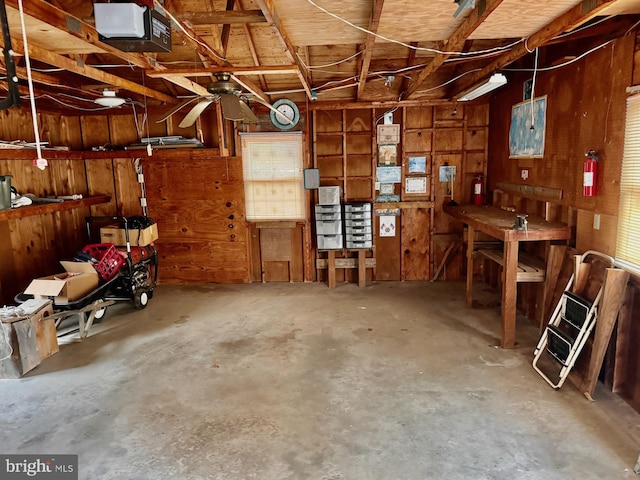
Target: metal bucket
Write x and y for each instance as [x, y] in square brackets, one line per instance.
[5, 192]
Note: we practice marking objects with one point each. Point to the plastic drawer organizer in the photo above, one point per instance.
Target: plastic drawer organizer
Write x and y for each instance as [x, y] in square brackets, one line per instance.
[358, 225]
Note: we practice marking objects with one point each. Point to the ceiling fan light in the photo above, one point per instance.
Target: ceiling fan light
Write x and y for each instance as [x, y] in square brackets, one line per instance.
[109, 99]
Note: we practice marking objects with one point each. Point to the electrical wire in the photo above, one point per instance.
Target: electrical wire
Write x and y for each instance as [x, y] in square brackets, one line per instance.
[184, 30]
[449, 81]
[312, 67]
[40, 162]
[398, 42]
[560, 65]
[533, 87]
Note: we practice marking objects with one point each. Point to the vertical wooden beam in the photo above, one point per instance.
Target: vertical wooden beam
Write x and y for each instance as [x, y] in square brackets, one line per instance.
[615, 285]
[509, 292]
[470, 240]
[331, 269]
[374, 22]
[552, 274]
[362, 268]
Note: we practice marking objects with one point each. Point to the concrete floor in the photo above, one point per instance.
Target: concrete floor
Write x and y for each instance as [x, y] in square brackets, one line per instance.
[296, 381]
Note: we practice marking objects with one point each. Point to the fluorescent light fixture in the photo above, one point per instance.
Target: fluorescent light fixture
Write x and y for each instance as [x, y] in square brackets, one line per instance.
[496, 80]
[464, 5]
[109, 99]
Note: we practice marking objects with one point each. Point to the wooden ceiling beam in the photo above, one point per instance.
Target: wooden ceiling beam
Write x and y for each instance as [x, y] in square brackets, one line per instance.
[410, 59]
[86, 71]
[455, 41]
[374, 21]
[62, 20]
[565, 22]
[37, 77]
[203, 47]
[245, 70]
[269, 11]
[252, 48]
[228, 17]
[226, 28]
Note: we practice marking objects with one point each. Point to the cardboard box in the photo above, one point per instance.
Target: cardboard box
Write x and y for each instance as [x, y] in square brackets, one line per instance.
[32, 336]
[77, 281]
[137, 238]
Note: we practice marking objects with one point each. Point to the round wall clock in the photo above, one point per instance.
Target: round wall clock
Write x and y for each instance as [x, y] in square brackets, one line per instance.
[287, 115]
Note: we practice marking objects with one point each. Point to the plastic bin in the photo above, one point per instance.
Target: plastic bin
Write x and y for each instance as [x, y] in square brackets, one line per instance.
[109, 259]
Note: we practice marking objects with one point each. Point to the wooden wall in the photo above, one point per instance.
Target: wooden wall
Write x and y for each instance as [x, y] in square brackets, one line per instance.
[197, 200]
[586, 104]
[344, 148]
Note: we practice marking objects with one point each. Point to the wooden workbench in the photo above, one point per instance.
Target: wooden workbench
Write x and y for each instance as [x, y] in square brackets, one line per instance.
[499, 224]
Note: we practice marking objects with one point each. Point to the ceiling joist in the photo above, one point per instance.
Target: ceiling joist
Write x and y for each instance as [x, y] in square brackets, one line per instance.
[455, 42]
[203, 72]
[228, 17]
[269, 11]
[66, 63]
[565, 22]
[376, 12]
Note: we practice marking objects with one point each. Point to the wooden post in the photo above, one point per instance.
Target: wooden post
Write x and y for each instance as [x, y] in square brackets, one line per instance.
[331, 269]
[615, 284]
[581, 275]
[362, 268]
[509, 289]
[470, 235]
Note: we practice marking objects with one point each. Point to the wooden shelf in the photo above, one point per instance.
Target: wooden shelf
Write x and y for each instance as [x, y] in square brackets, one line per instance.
[166, 153]
[45, 208]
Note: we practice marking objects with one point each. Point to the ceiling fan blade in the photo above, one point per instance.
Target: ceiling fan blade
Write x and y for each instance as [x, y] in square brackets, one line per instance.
[176, 108]
[247, 114]
[231, 109]
[195, 112]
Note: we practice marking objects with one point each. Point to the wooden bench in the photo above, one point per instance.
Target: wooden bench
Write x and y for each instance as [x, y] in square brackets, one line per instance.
[530, 269]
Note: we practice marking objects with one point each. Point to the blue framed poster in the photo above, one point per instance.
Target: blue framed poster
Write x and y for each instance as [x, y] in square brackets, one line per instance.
[527, 131]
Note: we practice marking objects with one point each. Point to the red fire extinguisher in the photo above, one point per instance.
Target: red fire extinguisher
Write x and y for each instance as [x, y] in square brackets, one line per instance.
[590, 173]
[478, 194]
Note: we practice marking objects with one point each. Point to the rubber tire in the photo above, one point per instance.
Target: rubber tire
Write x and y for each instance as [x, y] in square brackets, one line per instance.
[141, 299]
[99, 315]
[150, 293]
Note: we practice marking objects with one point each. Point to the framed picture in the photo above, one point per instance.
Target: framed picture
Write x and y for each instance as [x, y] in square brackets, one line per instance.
[415, 185]
[388, 174]
[387, 155]
[527, 130]
[387, 188]
[417, 164]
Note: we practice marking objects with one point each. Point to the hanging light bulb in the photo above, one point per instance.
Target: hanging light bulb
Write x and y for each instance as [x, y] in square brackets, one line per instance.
[109, 99]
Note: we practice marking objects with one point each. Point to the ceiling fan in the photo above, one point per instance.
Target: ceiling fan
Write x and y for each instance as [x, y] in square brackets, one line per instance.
[233, 102]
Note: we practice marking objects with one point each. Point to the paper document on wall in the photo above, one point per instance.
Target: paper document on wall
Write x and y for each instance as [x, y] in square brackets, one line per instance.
[387, 226]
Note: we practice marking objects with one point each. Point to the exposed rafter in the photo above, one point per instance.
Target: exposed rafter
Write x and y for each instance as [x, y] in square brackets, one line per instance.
[565, 22]
[226, 28]
[228, 17]
[455, 41]
[376, 12]
[61, 20]
[87, 71]
[269, 11]
[203, 72]
[203, 48]
[410, 59]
